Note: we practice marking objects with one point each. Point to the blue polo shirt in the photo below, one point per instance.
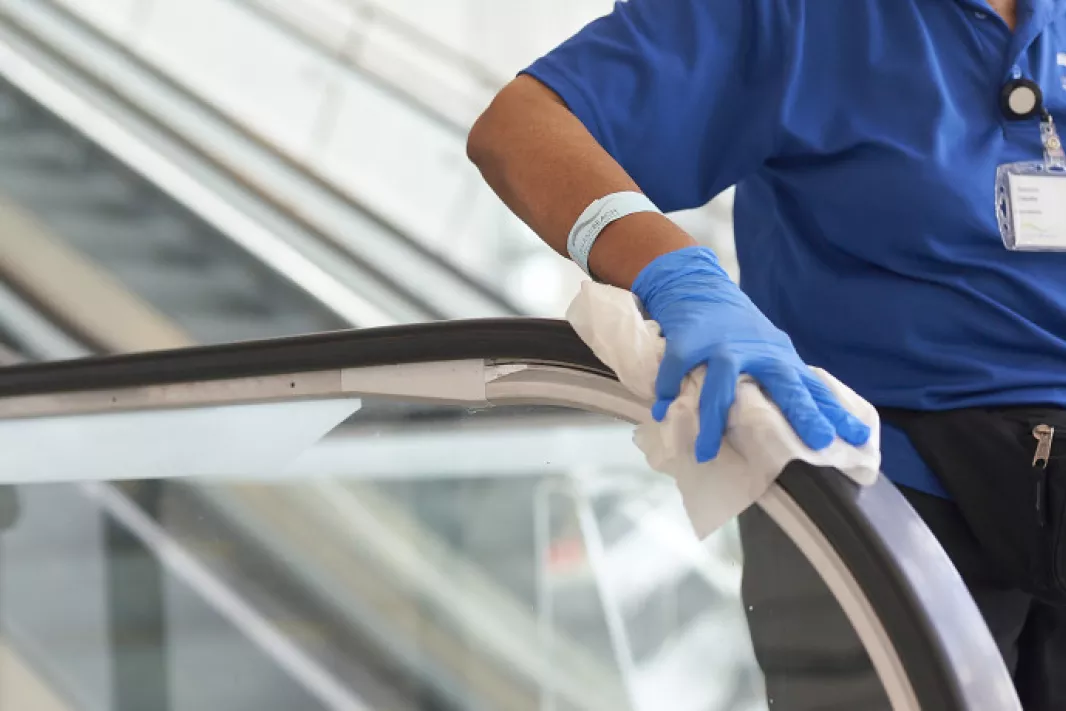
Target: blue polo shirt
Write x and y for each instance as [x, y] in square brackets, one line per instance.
[863, 137]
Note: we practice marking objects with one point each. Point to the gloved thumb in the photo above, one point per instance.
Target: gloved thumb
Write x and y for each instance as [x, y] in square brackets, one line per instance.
[716, 398]
[672, 372]
[660, 408]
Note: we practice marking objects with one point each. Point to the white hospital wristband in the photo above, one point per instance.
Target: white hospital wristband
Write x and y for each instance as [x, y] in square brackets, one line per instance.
[597, 216]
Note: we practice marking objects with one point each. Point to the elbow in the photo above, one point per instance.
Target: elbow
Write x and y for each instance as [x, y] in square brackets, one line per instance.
[484, 139]
[520, 117]
[506, 121]
[477, 141]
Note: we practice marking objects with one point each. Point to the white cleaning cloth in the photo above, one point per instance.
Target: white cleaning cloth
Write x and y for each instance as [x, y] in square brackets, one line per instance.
[758, 443]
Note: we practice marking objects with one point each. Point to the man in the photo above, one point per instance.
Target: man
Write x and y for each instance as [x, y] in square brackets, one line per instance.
[866, 139]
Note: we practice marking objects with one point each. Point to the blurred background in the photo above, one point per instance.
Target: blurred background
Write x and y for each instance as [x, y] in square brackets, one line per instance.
[185, 172]
[374, 98]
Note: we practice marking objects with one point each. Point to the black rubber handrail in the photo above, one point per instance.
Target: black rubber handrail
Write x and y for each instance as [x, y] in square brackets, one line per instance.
[938, 639]
[528, 340]
[835, 505]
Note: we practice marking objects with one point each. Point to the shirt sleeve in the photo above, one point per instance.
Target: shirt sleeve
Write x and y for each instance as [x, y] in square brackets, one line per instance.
[685, 94]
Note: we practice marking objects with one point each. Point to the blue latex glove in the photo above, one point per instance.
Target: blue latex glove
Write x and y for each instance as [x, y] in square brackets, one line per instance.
[707, 320]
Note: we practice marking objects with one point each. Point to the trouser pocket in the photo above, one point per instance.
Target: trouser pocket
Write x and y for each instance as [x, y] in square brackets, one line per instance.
[1006, 471]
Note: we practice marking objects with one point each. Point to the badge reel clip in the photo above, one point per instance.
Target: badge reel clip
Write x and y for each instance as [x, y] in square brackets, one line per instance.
[1031, 196]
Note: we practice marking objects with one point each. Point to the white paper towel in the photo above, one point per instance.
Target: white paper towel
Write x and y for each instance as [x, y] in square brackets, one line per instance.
[759, 442]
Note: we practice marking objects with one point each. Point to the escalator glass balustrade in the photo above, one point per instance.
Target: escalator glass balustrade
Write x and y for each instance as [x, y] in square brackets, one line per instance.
[182, 207]
[154, 247]
[436, 517]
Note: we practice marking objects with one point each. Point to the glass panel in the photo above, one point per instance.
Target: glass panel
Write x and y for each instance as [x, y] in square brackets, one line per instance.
[81, 209]
[418, 558]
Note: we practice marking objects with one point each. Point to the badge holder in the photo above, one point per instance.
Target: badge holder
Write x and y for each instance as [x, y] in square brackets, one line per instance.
[1031, 197]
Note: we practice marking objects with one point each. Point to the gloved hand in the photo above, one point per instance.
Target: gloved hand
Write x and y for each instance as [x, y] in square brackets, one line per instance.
[707, 320]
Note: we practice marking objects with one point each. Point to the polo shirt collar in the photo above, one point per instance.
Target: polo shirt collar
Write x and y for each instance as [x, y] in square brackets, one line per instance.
[1034, 16]
[1031, 13]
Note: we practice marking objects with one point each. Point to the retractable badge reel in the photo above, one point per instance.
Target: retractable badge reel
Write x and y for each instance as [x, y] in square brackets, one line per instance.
[1031, 196]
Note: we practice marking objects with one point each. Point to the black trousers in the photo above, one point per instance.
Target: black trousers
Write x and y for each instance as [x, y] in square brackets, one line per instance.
[813, 660]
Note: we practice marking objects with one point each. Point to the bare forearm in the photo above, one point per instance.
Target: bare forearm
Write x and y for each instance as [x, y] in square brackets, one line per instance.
[547, 168]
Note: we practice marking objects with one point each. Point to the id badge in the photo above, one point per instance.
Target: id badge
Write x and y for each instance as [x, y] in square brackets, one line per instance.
[1031, 197]
[1032, 207]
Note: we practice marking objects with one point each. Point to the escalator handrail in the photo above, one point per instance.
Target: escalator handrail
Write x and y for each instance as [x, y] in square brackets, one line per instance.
[525, 339]
[935, 630]
[884, 543]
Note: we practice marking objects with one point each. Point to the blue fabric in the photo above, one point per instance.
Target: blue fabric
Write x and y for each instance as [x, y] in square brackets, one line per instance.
[707, 320]
[863, 136]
